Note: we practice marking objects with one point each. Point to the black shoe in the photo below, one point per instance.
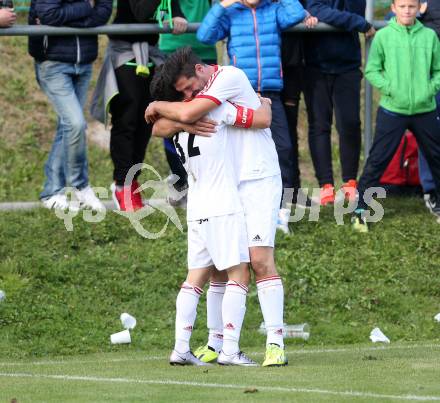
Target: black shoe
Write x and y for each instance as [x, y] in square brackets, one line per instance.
[302, 200]
[432, 202]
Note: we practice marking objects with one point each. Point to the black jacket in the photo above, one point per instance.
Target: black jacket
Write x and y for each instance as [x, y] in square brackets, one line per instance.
[138, 12]
[337, 52]
[67, 13]
[431, 18]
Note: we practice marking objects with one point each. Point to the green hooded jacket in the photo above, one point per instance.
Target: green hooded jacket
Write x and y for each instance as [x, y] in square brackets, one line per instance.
[404, 64]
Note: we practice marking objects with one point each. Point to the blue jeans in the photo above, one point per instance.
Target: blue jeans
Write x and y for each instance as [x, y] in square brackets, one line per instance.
[66, 85]
[425, 174]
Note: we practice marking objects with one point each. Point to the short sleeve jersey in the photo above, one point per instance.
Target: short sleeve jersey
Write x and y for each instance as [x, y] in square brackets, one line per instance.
[254, 150]
[212, 183]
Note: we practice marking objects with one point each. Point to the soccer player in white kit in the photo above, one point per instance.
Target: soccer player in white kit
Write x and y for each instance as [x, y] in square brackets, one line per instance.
[258, 175]
[217, 237]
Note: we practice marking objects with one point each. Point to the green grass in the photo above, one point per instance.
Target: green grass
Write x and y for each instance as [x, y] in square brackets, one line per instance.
[353, 374]
[66, 290]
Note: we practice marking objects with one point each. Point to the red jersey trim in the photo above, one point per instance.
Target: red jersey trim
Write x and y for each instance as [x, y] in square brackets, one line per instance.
[213, 99]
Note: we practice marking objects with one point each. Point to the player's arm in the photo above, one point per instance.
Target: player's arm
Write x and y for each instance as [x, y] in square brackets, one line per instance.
[248, 118]
[166, 128]
[263, 115]
[185, 112]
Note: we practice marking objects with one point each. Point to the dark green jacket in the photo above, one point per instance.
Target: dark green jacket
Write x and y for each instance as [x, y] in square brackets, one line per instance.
[404, 64]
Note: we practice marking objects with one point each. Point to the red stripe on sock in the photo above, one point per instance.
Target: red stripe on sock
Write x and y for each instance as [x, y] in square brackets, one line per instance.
[234, 283]
[269, 279]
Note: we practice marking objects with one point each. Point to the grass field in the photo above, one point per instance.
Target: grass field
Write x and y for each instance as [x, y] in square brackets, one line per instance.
[351, 374]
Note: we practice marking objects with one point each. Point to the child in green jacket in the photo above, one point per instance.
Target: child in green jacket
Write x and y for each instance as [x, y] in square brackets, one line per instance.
[404, 64]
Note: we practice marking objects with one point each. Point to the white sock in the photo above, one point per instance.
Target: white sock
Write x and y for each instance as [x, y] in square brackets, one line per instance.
[214, 300]
[271, 297]
[186, 311]
[233, 310]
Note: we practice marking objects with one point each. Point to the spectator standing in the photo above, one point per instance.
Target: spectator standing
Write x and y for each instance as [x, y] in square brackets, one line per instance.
[430, 17]
[7, 15]
[253, 29]
[292, 56]
[124, 80]
[194, 11]
[405, 48]
[332, 84]
[63, 66]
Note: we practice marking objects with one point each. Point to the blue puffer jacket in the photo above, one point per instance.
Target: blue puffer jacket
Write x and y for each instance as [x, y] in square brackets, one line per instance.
[254, 35]
[336, 52]
[67, 13]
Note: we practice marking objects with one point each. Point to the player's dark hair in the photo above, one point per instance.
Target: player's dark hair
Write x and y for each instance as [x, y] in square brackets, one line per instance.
[160, 89]
[181, 63]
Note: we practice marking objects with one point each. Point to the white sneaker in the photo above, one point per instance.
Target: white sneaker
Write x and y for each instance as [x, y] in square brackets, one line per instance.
[238, 358]
[88, 199]
[283, 220]
[187, 358]
[59, 202]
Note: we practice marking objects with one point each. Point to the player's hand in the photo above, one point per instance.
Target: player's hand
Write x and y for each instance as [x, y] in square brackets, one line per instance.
[264, 100]
[227, 3]
[310, 21]
[151, 114]
[204, 127]
[370, 33]
[179, 25]
[7, 17]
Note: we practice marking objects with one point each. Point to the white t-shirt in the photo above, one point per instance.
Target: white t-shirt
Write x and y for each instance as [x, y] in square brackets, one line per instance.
[254, 149]
[212, 182]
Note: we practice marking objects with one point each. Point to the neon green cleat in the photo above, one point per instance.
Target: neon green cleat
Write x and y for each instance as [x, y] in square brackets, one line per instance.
[206, 354]
[358, 221]
[275, 356]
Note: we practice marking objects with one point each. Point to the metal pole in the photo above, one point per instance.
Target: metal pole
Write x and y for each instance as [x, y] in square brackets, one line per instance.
[368, 106]
[123, 29]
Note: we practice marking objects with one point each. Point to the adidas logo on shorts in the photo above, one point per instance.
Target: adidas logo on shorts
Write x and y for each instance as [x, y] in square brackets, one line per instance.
[256, 238]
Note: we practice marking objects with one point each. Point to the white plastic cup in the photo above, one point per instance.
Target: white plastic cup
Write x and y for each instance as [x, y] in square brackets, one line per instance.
[121, 337]
[299, 331]
[128, 321]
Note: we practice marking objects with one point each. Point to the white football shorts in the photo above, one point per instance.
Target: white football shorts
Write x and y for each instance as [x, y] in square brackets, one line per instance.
[261, 199]
[218, 241]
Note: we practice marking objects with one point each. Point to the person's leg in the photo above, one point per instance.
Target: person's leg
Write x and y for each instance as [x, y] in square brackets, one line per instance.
[317, 94]
[346, 98]
[125, 109]
[389, 131]
[234, 307]
[426, 129]
[426, 179]
[214, 301]
[143, 129]
[57, 81]
[293, 79]
[186, 306]
[282, 140]
[175, 165]
[261, 226]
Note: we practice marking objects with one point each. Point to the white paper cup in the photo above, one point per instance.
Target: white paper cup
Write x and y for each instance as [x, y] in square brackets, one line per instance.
[121, 337]
[128, 321]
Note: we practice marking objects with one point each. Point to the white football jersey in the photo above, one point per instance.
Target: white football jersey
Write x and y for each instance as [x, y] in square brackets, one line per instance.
[212, 182]
[254, 149]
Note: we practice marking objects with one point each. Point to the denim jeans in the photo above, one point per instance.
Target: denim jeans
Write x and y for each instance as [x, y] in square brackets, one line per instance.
[425, 174]
[66, 85]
